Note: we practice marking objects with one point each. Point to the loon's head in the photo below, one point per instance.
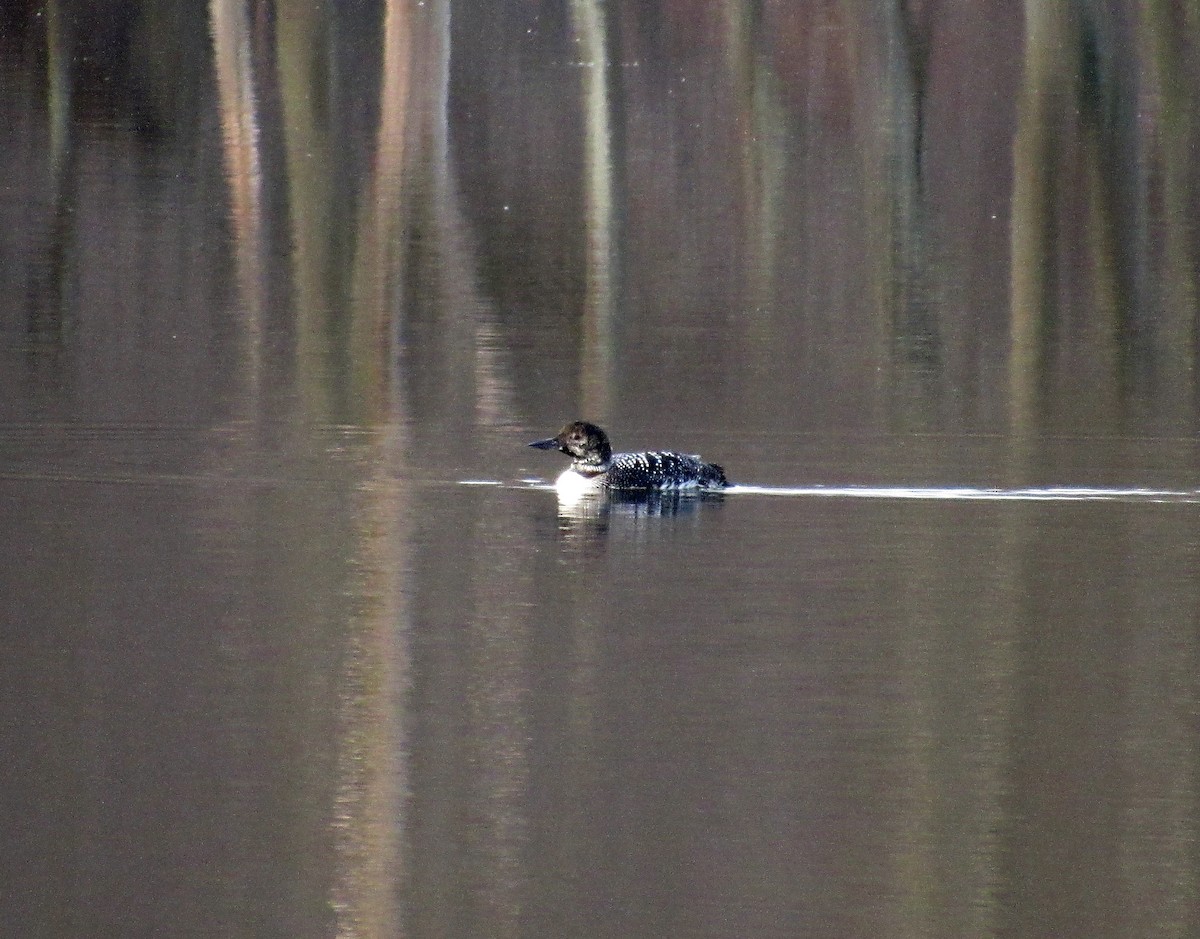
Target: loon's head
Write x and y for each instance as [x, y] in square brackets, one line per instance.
[585, 443]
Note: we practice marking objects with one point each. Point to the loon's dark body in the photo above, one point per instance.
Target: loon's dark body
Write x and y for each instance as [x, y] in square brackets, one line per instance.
[595, 466]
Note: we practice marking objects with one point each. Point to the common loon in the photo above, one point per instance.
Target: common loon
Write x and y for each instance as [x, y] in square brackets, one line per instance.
[595, 467]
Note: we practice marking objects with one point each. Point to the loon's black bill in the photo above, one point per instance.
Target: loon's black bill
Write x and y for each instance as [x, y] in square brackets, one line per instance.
[550, 443]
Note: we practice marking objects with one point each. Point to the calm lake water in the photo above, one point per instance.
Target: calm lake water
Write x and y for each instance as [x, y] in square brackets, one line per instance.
[298, 641]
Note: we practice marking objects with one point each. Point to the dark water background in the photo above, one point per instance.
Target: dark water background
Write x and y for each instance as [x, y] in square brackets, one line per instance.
[278, 279]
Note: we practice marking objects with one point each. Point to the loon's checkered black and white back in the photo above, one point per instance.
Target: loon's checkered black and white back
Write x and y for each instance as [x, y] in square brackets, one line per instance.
[593, 465]
[663, 469]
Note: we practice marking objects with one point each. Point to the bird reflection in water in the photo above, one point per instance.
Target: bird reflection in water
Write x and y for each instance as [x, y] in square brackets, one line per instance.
[592, 514]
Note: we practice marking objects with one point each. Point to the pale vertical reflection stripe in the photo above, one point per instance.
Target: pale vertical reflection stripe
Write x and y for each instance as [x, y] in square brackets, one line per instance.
[372, 770]
[587, 18]
[381, 221]
[58, 95]
[1036, 135]
[499, 735]
[302, 42]
[230, 27]
[454, 241]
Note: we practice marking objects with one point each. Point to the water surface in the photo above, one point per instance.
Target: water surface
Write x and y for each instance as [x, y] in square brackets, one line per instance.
[301, 643]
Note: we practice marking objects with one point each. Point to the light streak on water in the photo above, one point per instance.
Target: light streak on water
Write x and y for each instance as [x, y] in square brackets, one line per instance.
[967, 493]
[930, 493]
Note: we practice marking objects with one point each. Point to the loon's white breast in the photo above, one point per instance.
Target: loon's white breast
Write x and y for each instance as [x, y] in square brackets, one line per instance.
[572, 485]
